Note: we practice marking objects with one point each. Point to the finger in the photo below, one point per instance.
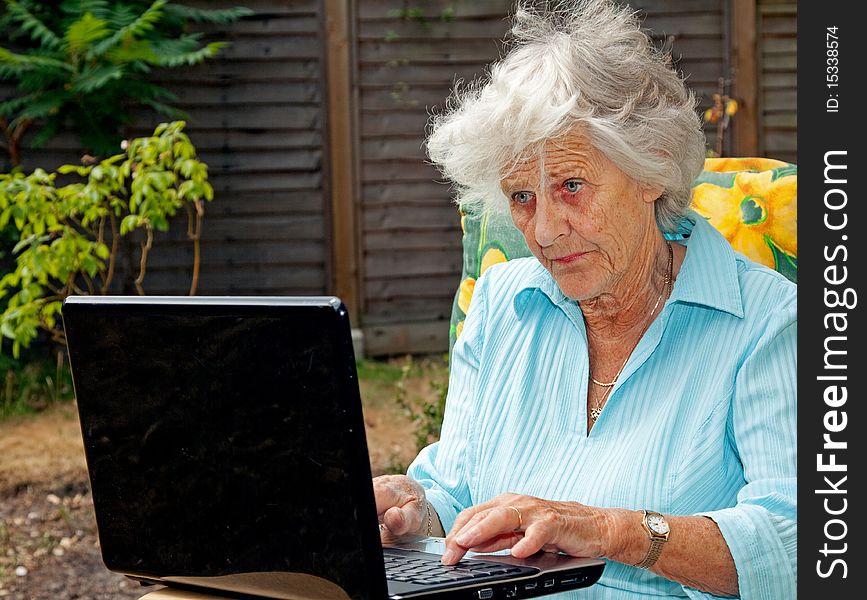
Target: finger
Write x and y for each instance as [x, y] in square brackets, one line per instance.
[387, 495]
[464, 517]
[502, 542]
[453, 554]
[402, 520]
[469, 524]
[535, 538]
[387, 537]
[468, 518]
[496, 522]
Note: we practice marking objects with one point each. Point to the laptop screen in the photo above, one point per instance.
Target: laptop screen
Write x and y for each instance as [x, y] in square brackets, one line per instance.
[225, 439]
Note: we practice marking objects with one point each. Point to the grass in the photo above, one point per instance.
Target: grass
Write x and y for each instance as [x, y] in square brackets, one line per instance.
[378, 372]
[31, 386]
[382, 381]
[403, 400]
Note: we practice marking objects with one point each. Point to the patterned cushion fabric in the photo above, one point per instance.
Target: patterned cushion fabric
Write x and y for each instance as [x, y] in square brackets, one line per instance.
[751, 201]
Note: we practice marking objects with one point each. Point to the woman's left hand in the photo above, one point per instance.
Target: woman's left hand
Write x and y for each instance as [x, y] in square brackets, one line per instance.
[526, 525]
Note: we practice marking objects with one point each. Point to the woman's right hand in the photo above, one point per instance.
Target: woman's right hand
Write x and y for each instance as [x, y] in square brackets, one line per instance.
[401, 507]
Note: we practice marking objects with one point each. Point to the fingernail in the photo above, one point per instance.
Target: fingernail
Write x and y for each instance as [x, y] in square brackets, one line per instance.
[466, 538]
[449, 556]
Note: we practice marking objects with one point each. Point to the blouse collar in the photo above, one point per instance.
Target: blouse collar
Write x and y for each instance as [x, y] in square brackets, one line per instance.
[707, 277]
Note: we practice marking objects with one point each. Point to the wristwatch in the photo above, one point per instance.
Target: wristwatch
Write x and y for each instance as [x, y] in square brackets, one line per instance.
[657, 528]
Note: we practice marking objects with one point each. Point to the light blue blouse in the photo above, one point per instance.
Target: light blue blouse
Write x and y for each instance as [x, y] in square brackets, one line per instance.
[700, 422]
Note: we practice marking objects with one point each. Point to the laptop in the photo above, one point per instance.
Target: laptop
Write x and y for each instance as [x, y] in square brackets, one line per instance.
[226, 451]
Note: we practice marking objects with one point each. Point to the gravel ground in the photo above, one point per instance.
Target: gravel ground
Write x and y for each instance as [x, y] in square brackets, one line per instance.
[50, 550]
[48, 543]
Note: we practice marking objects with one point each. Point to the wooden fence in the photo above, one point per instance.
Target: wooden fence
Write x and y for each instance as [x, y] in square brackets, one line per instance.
[312, 123]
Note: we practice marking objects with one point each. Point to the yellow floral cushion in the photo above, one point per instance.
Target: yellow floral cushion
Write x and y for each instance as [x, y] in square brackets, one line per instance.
[751, 201]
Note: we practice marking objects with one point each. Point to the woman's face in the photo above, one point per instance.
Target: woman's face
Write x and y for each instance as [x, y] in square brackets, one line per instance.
[585, 220]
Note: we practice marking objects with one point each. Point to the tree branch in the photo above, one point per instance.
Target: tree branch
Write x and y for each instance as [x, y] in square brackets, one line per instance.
[142, 269]
[194, 232]
[112, 256]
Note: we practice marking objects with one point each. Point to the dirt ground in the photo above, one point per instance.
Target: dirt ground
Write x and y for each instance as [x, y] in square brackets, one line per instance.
[48, 542]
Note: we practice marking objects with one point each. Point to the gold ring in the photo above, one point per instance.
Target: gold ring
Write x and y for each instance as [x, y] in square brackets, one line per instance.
[520, 518]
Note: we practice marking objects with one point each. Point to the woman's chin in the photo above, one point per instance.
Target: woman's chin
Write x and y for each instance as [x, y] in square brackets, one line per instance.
[576, 290]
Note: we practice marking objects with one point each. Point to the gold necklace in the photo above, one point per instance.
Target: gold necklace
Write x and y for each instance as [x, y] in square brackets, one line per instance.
[666, 285]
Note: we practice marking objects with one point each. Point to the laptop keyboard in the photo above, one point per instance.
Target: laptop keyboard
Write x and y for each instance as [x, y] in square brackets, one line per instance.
[423, 568]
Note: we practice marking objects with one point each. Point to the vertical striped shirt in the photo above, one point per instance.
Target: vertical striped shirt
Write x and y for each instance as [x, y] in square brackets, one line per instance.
[701, 420]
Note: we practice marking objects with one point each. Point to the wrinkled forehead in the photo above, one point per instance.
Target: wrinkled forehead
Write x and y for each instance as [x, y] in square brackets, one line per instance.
[569, 152]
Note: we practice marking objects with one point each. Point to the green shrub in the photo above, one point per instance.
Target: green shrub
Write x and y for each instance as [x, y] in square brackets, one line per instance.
[425, 413]
[68, 236]
[33, 383]
[85, 64]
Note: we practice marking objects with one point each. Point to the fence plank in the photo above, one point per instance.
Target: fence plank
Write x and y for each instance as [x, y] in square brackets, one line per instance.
[238, 254]
[415, 263]
[231, 71]
[404, 338]
[264, 7]
[263, 280]
[228, 183]
[777, 58]
[445, 238]
[386, 312]
[263, 228]
[416, 218]
[247, 94]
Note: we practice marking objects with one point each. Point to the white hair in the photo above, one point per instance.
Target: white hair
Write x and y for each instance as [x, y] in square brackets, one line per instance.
[572, 63]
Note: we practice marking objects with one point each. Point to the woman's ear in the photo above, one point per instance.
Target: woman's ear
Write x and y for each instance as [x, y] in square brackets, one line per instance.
[651, 194]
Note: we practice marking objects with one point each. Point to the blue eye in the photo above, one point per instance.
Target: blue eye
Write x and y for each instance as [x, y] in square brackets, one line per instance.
[522, 197]
[573, 185]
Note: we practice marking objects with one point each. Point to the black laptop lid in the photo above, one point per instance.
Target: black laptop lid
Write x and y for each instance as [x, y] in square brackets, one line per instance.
[225, 436]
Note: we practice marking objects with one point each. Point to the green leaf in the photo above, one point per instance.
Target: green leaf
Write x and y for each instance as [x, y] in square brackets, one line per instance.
[160, 223]
[30, 241]
[47, 104]
[201, 15]
[129, 223]
[193, 58]
[786, 264]
[26, 62]
[91, 79]
[142, 25]
[82, 34]
[36, 29]
[78, 169]
[134, 50]
[76, 8]
[167, 47]
[10, 107]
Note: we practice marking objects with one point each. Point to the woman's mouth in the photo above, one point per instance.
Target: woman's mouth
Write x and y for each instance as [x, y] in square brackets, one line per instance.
[569, 258]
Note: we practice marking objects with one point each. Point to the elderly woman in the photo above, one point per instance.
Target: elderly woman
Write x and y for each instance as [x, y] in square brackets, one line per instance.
[629, 393]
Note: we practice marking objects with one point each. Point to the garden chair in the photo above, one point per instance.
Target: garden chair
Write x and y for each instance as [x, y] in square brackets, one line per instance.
[751, 201]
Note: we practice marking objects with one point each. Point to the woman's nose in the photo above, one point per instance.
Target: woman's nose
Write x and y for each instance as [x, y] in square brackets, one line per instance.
[550, 221]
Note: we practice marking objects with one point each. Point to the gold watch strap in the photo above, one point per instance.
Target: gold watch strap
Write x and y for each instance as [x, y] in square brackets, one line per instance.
[652, 554]
[656, 541]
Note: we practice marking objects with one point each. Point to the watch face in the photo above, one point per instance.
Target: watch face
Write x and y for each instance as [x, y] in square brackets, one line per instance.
[657, 524]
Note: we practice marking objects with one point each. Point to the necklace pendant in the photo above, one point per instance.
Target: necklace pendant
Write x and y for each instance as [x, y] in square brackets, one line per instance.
[594, 413]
